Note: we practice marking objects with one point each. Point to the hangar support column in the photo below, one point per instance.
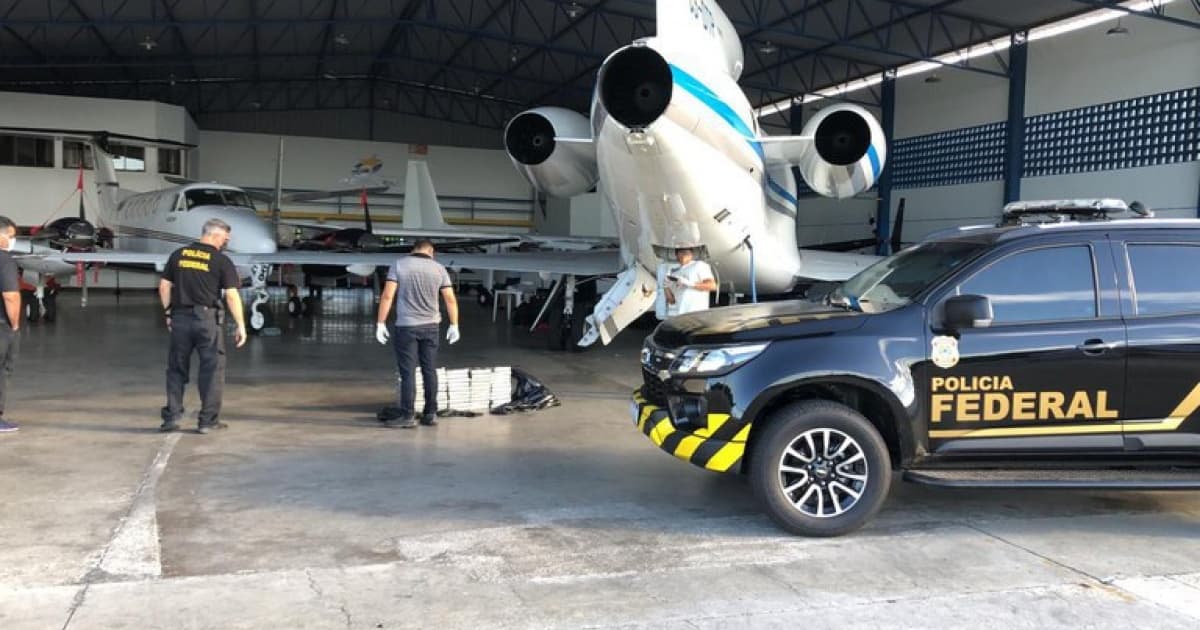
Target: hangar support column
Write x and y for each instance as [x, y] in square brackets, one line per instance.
[883, 213]
[1014, 146]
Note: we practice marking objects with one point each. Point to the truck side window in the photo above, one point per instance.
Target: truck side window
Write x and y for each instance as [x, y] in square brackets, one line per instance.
[1164, 278]
[1055, 283]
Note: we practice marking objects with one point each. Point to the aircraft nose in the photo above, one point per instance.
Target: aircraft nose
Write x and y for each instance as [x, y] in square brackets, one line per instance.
[249, 235]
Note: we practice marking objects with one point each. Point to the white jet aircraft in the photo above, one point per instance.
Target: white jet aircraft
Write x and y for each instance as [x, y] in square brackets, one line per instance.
[680, 157]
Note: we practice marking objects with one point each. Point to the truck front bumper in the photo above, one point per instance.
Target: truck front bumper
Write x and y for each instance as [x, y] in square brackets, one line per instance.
[719, 446]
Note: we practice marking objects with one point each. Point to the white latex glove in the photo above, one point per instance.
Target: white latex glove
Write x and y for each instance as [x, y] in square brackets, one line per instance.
[381, 334]
[452, 335]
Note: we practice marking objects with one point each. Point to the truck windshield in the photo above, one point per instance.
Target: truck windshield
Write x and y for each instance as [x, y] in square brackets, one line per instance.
[897, 279]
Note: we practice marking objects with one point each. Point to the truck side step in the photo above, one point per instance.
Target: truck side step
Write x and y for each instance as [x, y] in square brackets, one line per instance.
[1089, 478]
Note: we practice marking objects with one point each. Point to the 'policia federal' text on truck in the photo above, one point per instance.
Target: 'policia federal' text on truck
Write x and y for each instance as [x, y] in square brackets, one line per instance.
[1052, 354]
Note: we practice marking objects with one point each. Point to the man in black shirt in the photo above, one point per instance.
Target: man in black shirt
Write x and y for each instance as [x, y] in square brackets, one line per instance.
[10, 315]
[195, 279]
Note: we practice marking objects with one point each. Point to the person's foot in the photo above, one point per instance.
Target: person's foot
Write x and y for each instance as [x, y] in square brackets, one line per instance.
[205, 429]
[400, 423]
[8, 427]
[429, 421]
[169, 426]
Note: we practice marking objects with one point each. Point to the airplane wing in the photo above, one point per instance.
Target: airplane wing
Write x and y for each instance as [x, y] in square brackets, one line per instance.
[591, 263]
[832, 266]
[559, 242]
[785, 150]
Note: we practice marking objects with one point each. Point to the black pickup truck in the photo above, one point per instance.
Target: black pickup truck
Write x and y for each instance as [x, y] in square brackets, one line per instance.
[1048, 355]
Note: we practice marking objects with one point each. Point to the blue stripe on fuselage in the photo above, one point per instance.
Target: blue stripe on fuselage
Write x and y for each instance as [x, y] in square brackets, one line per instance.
[693, 86]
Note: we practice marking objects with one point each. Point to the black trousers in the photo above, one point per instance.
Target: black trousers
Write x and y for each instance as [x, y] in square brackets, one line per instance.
[195, 329]
[415, 344]
[10, 342]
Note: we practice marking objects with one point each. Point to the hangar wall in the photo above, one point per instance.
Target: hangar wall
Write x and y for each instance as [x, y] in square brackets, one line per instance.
[1072, 71]
[355, 124]
[248, 159]
[33, 193]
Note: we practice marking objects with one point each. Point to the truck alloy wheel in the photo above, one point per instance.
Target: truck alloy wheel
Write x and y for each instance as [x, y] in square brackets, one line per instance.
[819, 468]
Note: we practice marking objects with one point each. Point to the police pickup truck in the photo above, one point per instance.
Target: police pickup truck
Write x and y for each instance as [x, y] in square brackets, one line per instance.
[1054, 353]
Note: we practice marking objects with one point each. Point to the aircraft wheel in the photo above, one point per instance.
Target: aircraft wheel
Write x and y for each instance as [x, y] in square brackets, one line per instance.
[29, 306]
[575, 331]
[484, 297]
[556, 338]
[308, 306]
[295, 307]
[50, 304]
[259, 318]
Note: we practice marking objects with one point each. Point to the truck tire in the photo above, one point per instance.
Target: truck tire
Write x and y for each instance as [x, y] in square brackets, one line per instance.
[820, 469]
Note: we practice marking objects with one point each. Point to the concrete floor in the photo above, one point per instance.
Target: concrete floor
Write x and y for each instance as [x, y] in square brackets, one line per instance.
[307, 515]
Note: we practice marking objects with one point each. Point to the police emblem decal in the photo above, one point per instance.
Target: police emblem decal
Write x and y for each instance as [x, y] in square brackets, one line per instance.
[945, 352]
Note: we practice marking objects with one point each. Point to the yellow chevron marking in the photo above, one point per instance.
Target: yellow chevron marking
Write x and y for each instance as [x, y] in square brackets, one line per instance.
[1186, 408]
[726, 457]
[687, 447]
[660, 431]
[645, 415]
[715, 422]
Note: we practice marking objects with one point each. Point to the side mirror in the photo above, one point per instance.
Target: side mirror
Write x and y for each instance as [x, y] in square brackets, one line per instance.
[968, 311]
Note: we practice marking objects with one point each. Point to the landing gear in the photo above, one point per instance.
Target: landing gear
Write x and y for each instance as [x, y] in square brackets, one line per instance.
[259, 318]
[295, 307]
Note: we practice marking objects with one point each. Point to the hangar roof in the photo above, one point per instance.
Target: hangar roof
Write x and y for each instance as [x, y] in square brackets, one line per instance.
[472, 61]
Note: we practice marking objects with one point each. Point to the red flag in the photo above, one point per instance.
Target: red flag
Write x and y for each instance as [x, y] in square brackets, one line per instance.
[79, 182]
[362, 198]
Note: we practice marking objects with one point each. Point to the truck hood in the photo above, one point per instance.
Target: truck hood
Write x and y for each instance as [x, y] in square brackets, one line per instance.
[756, 322]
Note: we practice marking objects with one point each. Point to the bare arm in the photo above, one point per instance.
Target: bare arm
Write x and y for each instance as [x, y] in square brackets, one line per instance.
[12, 307]
[451, 304]
[385, 301]
[164, 292]
[708, 284]
[233, 300]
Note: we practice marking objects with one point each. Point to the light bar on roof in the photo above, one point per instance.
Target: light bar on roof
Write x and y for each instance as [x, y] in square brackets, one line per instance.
[962, 55]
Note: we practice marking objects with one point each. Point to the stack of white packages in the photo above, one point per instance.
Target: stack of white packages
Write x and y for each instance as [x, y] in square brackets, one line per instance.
[468, 389]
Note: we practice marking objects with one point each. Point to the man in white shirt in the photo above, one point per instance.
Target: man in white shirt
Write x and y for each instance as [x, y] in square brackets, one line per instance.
[688, 285]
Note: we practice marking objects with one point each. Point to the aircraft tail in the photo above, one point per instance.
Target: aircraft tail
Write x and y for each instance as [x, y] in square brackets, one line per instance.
[107, 187]
[700, 30]
[421, 208]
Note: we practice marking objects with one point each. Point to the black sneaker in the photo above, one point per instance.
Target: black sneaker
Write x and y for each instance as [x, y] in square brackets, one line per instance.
[399, 423]
[169, 427]
[429, 421]
[8, 427]
[205, 429]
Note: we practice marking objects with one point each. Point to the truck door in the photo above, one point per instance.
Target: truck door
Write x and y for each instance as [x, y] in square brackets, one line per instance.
[1163, 317]
[1048, 374]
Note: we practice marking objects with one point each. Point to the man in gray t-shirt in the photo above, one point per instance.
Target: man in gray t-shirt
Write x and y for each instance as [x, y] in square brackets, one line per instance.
[414, 283]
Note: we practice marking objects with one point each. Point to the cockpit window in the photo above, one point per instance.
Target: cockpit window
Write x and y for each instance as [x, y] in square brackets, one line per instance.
[217, 197]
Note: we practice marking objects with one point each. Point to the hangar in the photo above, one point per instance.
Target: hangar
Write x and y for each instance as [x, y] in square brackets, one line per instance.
[308, 513]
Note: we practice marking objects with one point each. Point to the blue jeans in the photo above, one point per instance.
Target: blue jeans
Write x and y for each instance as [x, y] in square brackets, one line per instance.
[414, 344]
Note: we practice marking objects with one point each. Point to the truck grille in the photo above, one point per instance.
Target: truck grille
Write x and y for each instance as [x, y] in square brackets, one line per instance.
[654, 390]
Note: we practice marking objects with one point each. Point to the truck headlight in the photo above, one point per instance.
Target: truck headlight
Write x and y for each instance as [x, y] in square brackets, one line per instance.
[711, 360]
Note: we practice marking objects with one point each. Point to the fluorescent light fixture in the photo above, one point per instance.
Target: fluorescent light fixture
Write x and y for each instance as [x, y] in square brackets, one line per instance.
[962, 55]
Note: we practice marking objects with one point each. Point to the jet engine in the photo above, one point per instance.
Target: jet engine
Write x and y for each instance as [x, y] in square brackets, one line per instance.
[635, 86]
[539, 143]
[848, 151]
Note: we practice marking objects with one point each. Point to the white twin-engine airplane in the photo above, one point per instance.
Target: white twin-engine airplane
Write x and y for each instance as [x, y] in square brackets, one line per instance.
[681, 160]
